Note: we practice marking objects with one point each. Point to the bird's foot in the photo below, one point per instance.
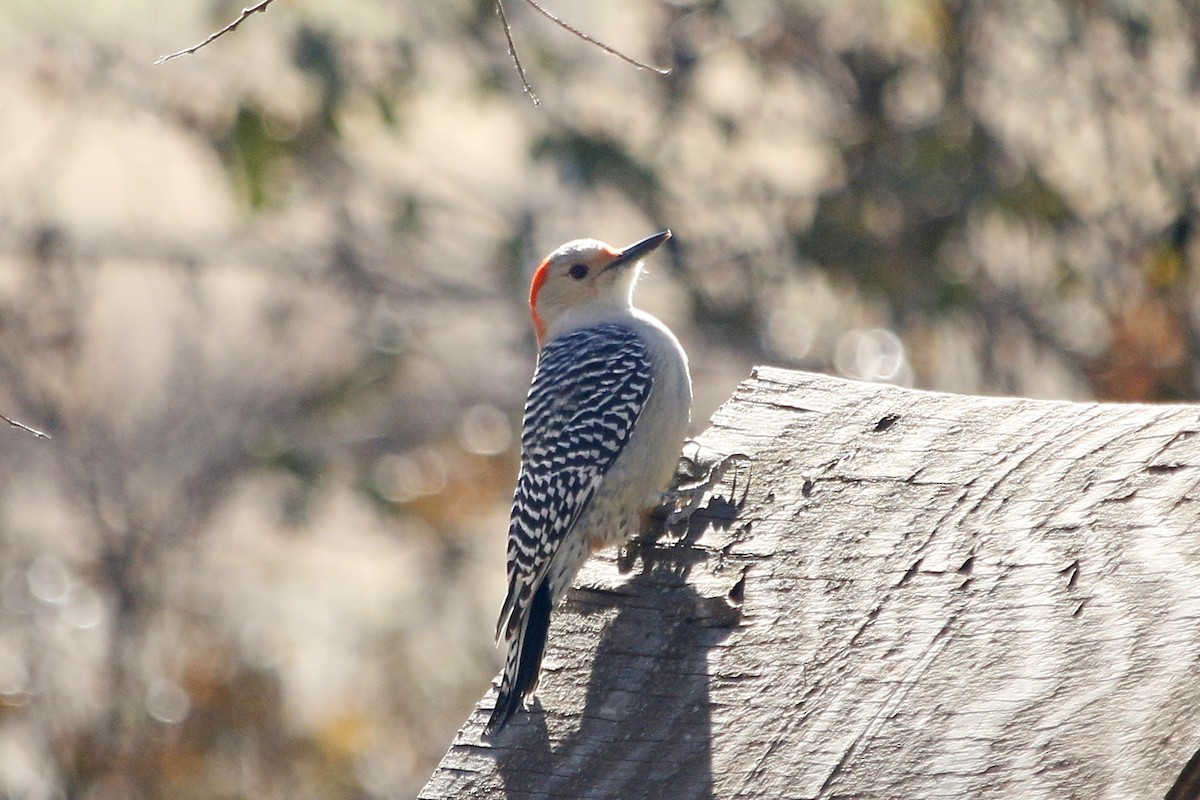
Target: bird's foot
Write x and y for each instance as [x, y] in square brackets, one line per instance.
[685, 499]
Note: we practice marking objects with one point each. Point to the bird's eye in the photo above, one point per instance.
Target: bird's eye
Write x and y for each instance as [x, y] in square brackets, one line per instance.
[578, 271]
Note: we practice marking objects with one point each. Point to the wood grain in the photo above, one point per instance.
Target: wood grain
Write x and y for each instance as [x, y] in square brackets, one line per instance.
[922, 596]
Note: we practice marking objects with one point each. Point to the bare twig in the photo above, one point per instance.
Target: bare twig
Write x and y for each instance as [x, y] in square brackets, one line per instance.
[512, 48]
[611, 51]
[254, 9]
[16, 424]
[512, 51]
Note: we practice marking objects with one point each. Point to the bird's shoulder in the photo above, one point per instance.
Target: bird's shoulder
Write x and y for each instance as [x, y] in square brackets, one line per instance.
[607, 334]
[603, 347]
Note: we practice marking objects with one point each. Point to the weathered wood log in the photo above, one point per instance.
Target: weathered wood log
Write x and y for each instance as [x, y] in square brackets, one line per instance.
[923, 596]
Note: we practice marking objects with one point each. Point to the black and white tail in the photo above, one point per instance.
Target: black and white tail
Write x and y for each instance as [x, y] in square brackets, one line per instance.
[526, 647]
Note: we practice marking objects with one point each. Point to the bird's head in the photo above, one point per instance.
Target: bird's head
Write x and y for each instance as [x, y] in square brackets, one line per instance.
[586, 273]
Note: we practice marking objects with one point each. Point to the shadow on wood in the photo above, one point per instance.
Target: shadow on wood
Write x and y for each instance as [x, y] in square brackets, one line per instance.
[925, 596]
[647, 663]
[644, 655]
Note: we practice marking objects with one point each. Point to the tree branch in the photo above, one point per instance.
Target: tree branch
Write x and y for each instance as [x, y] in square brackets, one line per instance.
[512, 51]
[16, 424]
[512, 48]
[611, 51]
[246, 12]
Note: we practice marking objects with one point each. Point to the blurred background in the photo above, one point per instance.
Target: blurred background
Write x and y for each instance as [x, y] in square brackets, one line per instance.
[269, 300]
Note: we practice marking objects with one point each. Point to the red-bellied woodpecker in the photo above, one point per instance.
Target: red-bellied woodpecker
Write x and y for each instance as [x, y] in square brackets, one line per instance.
[604, 423]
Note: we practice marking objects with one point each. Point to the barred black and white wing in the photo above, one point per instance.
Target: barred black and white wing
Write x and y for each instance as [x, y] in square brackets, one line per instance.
[588, 391]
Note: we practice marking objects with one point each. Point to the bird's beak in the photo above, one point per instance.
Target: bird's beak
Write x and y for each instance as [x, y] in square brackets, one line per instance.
[631, 254]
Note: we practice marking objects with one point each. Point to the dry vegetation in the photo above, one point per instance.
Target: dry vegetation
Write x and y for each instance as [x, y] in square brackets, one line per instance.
[268, 301]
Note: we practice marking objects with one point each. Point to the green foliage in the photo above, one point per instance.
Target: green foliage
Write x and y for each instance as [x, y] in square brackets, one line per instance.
[253, 154]
[316, 54]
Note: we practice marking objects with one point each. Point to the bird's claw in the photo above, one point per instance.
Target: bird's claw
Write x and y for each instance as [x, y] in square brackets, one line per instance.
[692, 494]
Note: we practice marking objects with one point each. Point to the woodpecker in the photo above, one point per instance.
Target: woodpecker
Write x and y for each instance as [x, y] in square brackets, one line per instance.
[604, 423]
